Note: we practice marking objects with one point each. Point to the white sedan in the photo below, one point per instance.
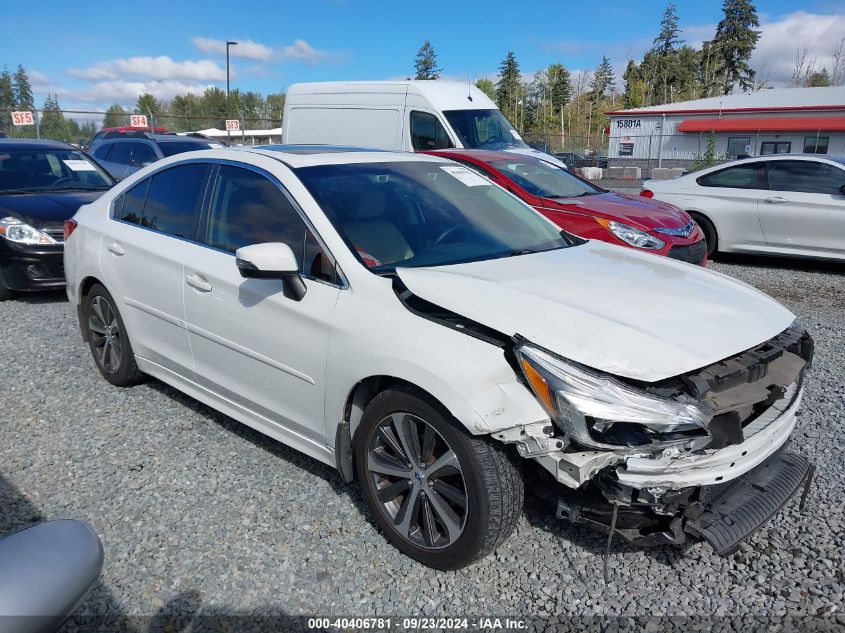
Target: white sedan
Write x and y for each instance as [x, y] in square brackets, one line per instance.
[790, 205]
[406, 320]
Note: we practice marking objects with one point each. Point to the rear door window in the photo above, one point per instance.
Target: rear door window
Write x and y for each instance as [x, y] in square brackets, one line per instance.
[143, 154]
[750, 176]
[174, 199]
[427, 132]
[805, 176]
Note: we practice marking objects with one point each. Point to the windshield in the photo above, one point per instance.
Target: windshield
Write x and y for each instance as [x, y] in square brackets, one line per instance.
[31, 169]
[545, 180]
[169, 148]
[483, 129]
[411, 214]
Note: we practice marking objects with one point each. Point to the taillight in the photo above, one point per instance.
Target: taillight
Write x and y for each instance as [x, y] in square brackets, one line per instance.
[70, 225]
[647, 193]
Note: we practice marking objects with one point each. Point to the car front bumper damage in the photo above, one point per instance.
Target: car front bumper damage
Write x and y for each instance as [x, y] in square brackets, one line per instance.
[721, 492]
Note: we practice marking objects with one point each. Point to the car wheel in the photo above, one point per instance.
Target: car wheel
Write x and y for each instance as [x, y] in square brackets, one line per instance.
[709, 231]
[107, 338]
[440, 495]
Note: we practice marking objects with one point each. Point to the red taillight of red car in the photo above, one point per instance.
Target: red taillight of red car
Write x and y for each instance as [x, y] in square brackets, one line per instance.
[647, 193]
[70, 225]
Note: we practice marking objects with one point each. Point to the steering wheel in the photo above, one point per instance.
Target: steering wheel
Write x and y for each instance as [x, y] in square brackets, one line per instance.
[449, 232]
[62, 180]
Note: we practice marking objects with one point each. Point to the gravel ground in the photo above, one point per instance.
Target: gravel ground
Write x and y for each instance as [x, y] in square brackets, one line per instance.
[200, 515]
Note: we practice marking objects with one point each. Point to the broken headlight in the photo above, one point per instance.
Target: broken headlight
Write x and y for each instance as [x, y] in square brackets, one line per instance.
[600, 411]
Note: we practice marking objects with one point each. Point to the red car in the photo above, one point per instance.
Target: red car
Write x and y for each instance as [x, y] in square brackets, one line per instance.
[582, 208]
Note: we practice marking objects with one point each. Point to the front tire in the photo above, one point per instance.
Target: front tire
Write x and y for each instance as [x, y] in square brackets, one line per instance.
[5, 292]
[108, 340]
[440, 495]
[710, 235]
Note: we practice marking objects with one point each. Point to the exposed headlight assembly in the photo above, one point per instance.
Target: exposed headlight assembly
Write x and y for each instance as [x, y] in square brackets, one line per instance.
[632, 236]
[599, 411]
[16, 231]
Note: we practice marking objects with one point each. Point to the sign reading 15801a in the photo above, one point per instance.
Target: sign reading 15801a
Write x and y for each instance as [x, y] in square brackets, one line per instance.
[628, 123]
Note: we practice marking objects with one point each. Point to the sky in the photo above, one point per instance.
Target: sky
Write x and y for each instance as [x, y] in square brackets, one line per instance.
[95, 53]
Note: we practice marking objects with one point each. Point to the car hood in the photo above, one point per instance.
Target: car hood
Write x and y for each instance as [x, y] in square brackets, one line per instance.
[607, 307]
[636, 211]
[45, 209]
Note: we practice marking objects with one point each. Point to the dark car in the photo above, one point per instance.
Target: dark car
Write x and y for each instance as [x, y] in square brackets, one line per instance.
[124, 153]
[573, 159]
[42, 184]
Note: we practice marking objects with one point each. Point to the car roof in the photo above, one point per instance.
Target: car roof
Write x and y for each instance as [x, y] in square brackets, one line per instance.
[767, 157]
[31, 143]
[296, 156]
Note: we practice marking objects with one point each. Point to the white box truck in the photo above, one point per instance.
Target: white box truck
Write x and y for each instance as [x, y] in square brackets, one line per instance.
[399, 115]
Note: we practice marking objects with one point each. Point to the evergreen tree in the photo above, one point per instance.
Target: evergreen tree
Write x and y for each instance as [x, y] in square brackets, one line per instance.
[508, 86]
[23, 90]
[734, 42]
[426, 62]
[147, 104]
[487, 87]
[560, 85]
[603, 79]
[115, 116]
[667, 39]
[634, 86]
[53, 123]
[7, 99]
[818, 79]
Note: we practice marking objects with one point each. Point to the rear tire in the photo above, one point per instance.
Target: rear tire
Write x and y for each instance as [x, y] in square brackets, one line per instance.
[710, 235]
[108, 340]
[464, 493]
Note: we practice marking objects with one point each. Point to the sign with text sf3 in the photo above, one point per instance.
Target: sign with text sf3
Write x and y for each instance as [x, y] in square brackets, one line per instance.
[23, 117]
[233, 125]
[138, 120]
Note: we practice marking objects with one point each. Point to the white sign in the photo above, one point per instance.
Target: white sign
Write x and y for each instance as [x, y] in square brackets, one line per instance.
[23, 118]
[138, 120]
[79, 165]
[233, 125]
[466, 176]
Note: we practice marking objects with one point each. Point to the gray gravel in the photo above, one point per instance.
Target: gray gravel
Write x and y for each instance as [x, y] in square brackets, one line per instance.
[199, 514]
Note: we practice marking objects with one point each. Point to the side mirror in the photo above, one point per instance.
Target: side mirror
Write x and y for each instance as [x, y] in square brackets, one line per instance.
[272, 260]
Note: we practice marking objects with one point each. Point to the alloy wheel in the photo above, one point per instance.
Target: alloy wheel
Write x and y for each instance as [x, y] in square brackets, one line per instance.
[105, 334]
[417, 480]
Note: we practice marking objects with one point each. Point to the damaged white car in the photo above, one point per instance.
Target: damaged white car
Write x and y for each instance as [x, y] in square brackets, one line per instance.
[404, 319]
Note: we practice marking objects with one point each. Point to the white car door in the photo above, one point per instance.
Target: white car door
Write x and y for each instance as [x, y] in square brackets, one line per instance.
[142, 251]
[729, 197]
[804, 208]
[251, 344]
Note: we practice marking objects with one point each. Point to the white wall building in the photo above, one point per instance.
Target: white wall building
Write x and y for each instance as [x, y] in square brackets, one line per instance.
[775, 121]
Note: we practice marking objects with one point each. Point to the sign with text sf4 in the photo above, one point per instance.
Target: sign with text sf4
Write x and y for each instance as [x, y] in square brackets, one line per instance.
[138, 120]
[233, 125]
[23, 117]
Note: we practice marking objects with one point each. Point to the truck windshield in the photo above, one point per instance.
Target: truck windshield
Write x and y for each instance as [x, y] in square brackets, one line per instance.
[483, 129]
[425, 213]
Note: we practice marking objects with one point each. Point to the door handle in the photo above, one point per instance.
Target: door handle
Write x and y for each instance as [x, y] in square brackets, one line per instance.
[198, 281]
[116, 249]
[776, 200]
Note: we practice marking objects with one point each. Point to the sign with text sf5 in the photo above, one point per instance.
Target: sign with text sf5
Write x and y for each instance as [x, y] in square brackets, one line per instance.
[233, 125]
[138, 120]
[23, 117]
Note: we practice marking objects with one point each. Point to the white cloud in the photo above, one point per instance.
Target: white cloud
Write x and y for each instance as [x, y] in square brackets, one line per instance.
[159, 68]
[299, 50]
[780, 40]
[127, 92]
[245, 48]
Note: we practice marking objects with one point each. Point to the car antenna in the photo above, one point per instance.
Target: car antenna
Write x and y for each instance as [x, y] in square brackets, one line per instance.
[469, 87]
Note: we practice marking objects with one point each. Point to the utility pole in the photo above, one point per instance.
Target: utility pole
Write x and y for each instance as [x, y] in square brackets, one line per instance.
[228, 44]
